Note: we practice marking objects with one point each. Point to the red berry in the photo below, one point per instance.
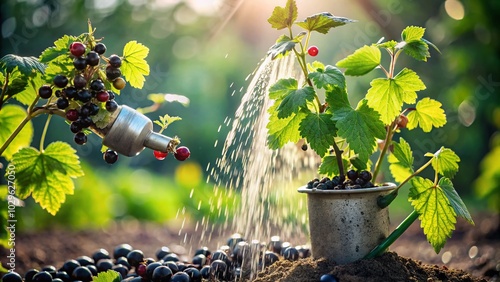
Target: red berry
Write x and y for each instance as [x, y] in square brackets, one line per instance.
[313, 51]
[102, 96]
[182, 153]
[141, 270]
[72, 115]
[77, 49]
[160, 155]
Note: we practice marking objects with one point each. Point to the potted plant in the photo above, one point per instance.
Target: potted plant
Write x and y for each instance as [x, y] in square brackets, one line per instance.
[348, 217]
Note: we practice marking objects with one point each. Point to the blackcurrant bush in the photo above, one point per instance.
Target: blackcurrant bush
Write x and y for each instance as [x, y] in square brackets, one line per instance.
[100, 48]
[70, 92]
[366, 175]
[115, 61]
[42, 276]
[112, 73]
[77, 49]
[79, 81]
[12, 277]
[402, 121]
[352, 174]
[135, 257]
[110, 156]
[119, 83]
[62, 103]
[97, 85]
[182, 153]
[84, 95]
[60, 81]
[111, 106]
[72, 115]
[80, 63]
[102, 96]
[45, 92]
[80, 138]
[92, 58]
[82, 273]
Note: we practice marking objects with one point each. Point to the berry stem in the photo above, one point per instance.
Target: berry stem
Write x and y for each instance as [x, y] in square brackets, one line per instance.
[387, 141]
[380, 248]
[338, 156]
[44, 132]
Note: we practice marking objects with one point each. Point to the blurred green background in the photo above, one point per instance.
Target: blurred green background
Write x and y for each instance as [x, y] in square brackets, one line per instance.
[205, 49]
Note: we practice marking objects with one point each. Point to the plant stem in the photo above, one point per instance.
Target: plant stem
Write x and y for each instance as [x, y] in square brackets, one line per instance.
[44, 133]
[15, 133]
[380, 248]
[338, 156]
[387, 141]
[4, 89]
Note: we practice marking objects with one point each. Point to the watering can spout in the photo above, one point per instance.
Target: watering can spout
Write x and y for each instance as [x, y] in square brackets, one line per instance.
[129, 132]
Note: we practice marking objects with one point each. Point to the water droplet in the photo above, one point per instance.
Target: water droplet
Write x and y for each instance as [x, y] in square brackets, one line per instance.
[446, 257]
[473, 251]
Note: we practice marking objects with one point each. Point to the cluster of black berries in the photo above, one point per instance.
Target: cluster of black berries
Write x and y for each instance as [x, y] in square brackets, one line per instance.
[355, 180]
[85, 94]
[225, 264]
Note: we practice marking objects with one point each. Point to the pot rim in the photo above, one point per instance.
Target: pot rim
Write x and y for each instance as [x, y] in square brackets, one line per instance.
[386, 187]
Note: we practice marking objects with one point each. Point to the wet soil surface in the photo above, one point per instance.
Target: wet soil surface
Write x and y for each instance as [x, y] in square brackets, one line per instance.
[472, 254]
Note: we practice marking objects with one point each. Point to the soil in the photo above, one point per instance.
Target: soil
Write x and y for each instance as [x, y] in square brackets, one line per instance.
[471, 254]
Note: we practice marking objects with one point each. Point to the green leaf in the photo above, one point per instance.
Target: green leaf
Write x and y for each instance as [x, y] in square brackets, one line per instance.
[366, 121]
[26, 65]
[388, 44]
[362, 61]
[283, 17]
[323, 22]
[11, 117]
[134, 66]
[319, 130]
[282, 47]
[328, 77]
[102, 118]
[108, 276]
[445, 162]
[61, 47]
[428, 114]
[283, 130]
[166, 120]
[47, 175]
[412, 33]
[435, 211]
[17, 82]
[59, 65]
[387, 95]
[401, 160]
[419, 50]
[337, 98]
[294, 100]
[282, 88]
[330, 167]
[30, 92]
[455, 200]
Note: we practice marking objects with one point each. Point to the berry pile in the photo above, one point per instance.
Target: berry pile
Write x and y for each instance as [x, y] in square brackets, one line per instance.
[82, 92]
[224, 264]
[355, 180]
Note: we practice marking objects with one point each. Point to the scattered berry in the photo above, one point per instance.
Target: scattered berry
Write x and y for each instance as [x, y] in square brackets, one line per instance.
[45, 92]
[182, 153]
[110, 156]
[313, 51]
[12, 277]
[77, 49]
[160, 155]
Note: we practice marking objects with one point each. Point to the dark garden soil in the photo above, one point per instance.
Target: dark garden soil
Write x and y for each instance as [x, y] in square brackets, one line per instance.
[472, 254]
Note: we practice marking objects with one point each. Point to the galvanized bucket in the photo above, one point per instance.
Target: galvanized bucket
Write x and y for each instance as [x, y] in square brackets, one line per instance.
[345, 225]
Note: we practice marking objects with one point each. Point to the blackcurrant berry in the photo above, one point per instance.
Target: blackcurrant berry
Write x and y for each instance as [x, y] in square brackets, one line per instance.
[218, 269]
[182, 153]
[121, 250]
[352, 174]
[102, 96]
[72, 115]
[62, 103]
[205, 272]
[75, 127]
[45, 92]
[82, 273]
[100, 48]
[80, 138]
[60, 81]
[92, 58]
[120, 268]
[327, 278]
[111, 95]
[58, 93]
[28, 276]
[80, 63]
[104, 265]
[360, 181]
[119, 83]
[313, 51]
[79, 81]
[160, 155]
[366, 175]
[12, 277]
[112, 73]
[63, 275]
[193, 274]
[110, 156]
[135, 257]
[270, 258]
[42, 276]
[111, 106]
[84, 95]
[84, 260]
[77, 49]
[115, 61]
[179, 277]
[70, 265]
[304, 147]
[97, 85]
[162, 274]
[150, 268]
[70, 92]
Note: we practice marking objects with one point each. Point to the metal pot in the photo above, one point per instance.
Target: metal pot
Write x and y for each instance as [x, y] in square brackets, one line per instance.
[345, 225]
